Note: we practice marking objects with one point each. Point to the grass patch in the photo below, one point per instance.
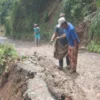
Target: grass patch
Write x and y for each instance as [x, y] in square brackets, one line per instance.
[7, 54]
[93, 47]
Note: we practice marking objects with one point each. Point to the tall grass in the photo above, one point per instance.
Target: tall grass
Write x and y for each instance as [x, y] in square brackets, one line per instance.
[95, 26]
[73, 9]
[94, 45]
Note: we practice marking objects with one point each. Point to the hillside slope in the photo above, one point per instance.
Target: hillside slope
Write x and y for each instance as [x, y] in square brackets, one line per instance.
[24, 14]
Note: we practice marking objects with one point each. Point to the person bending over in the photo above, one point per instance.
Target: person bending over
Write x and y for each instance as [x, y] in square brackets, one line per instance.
[73, 42]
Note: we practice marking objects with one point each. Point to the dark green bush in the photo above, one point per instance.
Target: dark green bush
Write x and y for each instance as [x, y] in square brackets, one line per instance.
[73, 9]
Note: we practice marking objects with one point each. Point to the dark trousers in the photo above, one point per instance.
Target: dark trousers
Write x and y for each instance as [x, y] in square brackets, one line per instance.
[61, 62]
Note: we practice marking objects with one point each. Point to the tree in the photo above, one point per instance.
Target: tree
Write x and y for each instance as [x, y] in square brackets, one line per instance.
[5, 7]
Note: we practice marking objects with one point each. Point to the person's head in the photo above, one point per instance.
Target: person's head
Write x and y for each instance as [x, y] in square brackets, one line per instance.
[62, 15]
[62, 23]
[35, 25]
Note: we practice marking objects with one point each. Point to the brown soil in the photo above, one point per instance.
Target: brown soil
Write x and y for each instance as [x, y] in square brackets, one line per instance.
[13, 84]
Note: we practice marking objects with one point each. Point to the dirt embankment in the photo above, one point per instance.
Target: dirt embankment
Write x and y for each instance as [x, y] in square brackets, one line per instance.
[13, 83]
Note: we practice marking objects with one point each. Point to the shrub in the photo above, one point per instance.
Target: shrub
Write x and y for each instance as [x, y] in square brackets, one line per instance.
[7, 54]
[24, 14]
[95, 26]
[73, 9]
[94, 47]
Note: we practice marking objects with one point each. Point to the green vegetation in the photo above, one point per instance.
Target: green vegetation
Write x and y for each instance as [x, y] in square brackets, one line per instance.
[74, 9]
[7, 54]
[95, 26]
[19, 22]
[79, 10]
[24, 14]
[94, 32]
[18, 16]
[94, 47]
[5, 7]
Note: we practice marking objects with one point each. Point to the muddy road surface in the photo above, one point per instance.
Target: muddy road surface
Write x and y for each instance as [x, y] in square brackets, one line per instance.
[51, 84]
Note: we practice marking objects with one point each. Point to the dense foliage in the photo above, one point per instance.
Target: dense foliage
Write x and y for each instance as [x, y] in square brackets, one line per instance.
[7, 54]
[74, 9]
[20, 15]
[94, 32]
[5, 7]
[95, 26]
[23, 15]
[93, 47]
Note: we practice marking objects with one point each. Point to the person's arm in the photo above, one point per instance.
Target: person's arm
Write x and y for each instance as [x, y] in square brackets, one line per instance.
[54, 36]
[33, 31]
[62, 36]
[55, 33]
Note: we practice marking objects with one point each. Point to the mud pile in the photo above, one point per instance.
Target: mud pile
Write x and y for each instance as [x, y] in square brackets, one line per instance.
[13, 83]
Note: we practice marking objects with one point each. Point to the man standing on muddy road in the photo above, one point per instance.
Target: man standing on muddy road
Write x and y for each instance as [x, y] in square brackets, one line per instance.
[59, 32]
[73, 42]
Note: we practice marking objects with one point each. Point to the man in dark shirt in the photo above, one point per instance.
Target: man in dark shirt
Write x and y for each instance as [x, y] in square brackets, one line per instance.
[63, 41]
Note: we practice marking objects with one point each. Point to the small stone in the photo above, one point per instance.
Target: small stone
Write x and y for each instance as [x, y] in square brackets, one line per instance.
[39, 58]
[31, 75]
[19, 70]
[27, 97]
[17, 80]
[35, 53]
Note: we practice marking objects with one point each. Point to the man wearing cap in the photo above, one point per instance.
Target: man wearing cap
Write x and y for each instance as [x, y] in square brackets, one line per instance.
[73, 42]
[63, 41]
